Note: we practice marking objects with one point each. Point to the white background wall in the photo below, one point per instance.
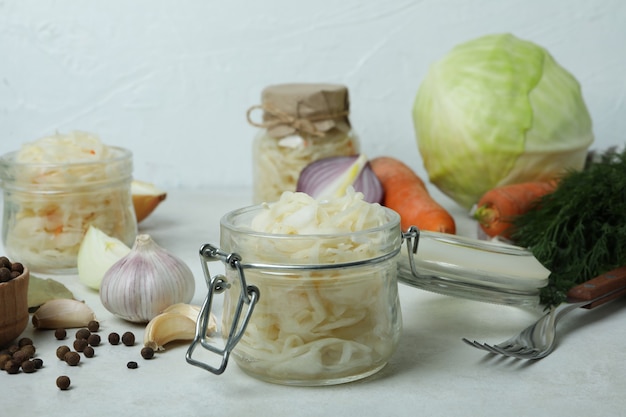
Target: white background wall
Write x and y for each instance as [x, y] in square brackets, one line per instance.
[172, 80]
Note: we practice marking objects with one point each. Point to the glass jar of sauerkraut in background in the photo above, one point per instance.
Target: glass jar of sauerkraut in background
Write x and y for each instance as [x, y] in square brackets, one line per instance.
[328, 310]
[301, 124]
[54, 189]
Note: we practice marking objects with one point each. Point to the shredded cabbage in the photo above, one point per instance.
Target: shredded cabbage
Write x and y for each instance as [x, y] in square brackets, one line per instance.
[318, 324]
[57, 187]
[278, 162]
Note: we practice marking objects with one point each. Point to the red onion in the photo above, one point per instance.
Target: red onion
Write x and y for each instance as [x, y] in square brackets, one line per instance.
[331, 176]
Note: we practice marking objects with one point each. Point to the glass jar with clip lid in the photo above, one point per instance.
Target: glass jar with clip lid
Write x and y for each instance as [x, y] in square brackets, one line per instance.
[308, 308]
[301, 123]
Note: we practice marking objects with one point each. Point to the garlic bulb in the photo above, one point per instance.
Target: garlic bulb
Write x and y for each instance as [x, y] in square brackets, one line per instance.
[145, 282]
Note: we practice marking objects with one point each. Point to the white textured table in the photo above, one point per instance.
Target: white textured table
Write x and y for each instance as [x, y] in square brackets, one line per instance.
[432, 373]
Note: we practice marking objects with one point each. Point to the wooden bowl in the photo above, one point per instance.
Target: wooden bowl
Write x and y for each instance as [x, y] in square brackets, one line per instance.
[13, 308]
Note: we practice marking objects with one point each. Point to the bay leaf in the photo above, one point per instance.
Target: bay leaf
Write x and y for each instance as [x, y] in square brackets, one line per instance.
[41, 290]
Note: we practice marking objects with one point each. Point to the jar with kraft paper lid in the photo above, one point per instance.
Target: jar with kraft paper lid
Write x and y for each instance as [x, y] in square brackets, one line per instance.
[301, 123]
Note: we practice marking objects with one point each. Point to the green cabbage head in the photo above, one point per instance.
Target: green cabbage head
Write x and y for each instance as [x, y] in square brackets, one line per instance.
[499, 110]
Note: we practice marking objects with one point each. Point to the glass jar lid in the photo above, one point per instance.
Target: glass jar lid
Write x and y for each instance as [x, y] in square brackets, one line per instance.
[470, 268]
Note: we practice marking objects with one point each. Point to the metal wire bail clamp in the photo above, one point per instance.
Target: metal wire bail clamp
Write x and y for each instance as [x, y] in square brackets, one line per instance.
[217, 284]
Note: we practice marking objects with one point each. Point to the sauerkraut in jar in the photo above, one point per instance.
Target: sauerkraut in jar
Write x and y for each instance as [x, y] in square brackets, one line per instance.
[331, 314]
[301, 124]
[54, 189]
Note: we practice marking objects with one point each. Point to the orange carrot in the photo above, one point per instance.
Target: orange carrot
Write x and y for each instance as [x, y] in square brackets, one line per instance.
[498, 207]
[406, 193]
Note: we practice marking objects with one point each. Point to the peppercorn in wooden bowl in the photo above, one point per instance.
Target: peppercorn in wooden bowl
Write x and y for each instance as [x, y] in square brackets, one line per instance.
[13, 300]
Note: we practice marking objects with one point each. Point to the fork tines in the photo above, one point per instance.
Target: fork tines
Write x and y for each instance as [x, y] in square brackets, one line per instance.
[514, 351]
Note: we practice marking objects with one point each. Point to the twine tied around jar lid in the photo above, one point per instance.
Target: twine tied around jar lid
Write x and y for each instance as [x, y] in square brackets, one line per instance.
[311, 109]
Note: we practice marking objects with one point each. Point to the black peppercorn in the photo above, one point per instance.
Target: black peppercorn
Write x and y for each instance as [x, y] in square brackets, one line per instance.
[61, 351]
[93, 326]
[147, 352]
[38, 363]
[132, 365]
[114, 338]
[63, 382]
[60, 334]
[128, 338]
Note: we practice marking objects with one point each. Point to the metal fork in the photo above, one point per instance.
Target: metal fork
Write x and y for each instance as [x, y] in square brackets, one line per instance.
[539, 339]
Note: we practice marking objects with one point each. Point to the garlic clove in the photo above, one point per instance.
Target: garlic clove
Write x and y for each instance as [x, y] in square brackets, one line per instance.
[62, 313]
[145, 282]
[190, 310]
[172, 326]
[146, 198]
[96, 254]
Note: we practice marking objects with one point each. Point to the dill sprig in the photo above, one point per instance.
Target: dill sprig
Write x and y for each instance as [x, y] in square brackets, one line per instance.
[579, 230]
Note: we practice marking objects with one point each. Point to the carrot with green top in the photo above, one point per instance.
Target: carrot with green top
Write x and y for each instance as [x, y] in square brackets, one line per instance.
[498, 207]
[406, 193]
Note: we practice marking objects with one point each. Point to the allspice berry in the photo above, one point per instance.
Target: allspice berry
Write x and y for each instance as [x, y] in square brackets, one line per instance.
[24, 341]
[28, 367]
[114, 338]
[63, 382]
[80, 345]
[72, 358]
[20, 356]
[61, 351]
[28, 350]
[12, 367]
[60, 334]
[128, 338]
[89, 352]
[4, 358]
[147, 352]
[17, 267]
[83, 333]
[93, 339]
[5, 274]
[93, 326]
